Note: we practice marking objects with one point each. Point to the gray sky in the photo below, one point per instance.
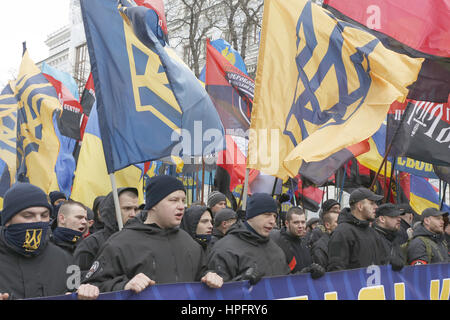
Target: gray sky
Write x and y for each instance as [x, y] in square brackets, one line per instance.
[31, 21]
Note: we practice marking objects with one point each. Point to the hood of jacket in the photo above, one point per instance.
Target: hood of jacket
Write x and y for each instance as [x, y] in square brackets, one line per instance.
[191, 218]
[108, 212]
[138, 224]
[240, 230]
[388, 234]
[347, 217]
[420, 230]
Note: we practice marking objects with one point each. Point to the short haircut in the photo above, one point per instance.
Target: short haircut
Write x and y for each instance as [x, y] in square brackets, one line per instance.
[327, 216]
[294, 210]
[64, 209]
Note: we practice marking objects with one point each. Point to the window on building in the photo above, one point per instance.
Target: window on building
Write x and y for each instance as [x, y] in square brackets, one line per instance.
[82, 67]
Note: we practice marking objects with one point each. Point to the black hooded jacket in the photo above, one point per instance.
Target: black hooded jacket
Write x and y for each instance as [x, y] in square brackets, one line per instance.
[319, 250]
[163, 255]
[390, 242]
[417, 249]
[354, 244]
[190, 222]
[87, 250]
[25, 277]
[292, 246]
[241, 249]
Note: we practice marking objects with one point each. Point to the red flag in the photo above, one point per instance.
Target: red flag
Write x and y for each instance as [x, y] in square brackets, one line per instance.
[234, 162]
[421, 25]
[158, 7]
[72, 120]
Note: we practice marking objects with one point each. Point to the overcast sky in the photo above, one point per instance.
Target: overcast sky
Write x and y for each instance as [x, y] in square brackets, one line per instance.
[31, 21]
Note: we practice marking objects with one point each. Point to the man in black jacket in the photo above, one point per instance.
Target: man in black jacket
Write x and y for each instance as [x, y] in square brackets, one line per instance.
[387, 224]
[71, 223]
[152, 248]
[290, 238]
[31, 266]
[247, 246]
[428, 245]
[87, 250]
[319, 250]
[197, 221]
[223, 221]
[407, 218]
[354, 244]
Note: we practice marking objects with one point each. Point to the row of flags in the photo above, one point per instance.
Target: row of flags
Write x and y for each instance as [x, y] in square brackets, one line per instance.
[145, 102]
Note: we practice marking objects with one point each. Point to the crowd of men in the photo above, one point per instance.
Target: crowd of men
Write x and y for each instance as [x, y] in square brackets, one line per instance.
[162, 241]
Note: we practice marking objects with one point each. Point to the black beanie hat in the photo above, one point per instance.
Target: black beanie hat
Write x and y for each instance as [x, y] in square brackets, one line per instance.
[260, 203]
[160, 187]
[22, 196]
[55, 195]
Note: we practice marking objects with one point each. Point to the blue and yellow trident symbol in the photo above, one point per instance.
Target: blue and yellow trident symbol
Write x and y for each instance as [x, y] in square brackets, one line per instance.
[32, 239]
[309, 114]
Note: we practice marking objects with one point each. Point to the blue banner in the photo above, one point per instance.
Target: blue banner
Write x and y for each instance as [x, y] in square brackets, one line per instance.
[426, 282]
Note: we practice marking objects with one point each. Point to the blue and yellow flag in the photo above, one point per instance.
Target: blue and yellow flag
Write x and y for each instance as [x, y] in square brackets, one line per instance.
[321, 85]
[147, 99]
[37, 143]
[8, 129]
[91, 177]
[422, 194]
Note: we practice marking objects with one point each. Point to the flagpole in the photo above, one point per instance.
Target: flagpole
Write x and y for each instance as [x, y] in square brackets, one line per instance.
[443, 198]
[244, 198]
[116, 201]
[388, 150]
[293, 193]
[203, 178]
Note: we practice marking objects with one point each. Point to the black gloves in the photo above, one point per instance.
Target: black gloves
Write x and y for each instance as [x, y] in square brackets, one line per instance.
[316, 270]
[251, 274]
[396, 263]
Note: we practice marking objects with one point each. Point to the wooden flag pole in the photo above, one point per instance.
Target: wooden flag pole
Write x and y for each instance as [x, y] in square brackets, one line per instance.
[116, 201]
[244, 196]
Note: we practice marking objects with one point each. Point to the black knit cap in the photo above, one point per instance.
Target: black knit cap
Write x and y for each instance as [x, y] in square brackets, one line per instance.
[328, 204]
[260, 203]
[56, 195]
[160, 187]
[22, 196]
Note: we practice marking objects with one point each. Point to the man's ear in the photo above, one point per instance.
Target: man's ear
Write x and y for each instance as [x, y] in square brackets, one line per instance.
[61, 218]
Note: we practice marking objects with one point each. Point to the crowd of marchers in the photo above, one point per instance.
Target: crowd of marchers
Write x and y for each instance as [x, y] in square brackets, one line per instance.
[163, 241]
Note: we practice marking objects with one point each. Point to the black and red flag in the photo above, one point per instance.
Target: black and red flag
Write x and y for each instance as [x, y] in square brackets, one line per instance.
[231, 91]
[419, 128]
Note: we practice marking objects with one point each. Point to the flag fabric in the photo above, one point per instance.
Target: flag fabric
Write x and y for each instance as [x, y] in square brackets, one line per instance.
[88, 97]
[423, 194]
[64, 77]
[306, 53]
[230, 90]
[229, 53]
[37, 142]
[421, 130]
[146, 97]
[8, 130]
[309, 196]
[91, 177]
[420, 25]
[319, 172]
[72, 121]
[232, 94]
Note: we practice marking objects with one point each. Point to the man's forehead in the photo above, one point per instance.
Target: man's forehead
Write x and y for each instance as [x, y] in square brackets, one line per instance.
[34, 210]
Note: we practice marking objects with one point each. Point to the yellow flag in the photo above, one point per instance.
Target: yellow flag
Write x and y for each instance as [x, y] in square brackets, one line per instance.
[321, 85]
[37, 143]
